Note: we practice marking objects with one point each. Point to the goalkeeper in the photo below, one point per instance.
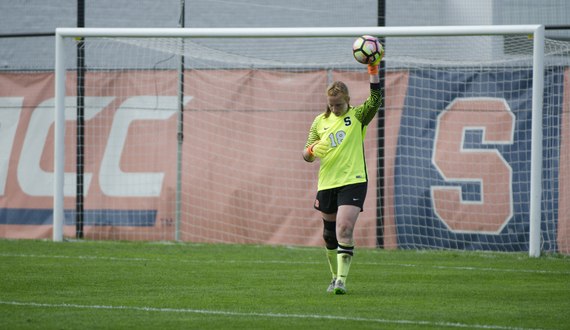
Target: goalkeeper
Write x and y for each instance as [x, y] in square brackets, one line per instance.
[336, 137]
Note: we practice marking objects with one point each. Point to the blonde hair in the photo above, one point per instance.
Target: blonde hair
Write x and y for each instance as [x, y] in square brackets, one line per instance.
[334, 89]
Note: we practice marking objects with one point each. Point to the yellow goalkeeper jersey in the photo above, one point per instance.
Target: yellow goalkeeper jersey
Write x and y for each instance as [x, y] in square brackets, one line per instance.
[345, 164]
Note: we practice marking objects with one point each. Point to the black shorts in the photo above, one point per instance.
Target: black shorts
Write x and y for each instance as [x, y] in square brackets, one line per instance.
[329, 200]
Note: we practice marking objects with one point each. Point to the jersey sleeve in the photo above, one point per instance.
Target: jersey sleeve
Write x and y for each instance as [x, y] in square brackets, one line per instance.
[313, 133]
[367, 111]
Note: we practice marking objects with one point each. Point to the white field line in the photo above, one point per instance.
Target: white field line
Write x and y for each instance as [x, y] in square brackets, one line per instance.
[289, 316]
[282, 262]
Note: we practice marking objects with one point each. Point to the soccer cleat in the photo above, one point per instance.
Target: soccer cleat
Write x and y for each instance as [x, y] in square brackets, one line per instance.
[331, 286]
[339, 287]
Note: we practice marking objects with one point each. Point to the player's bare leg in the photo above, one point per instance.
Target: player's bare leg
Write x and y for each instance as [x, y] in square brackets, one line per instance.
[345, 222]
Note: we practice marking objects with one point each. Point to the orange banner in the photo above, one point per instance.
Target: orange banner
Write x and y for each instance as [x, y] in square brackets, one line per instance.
[243, 179]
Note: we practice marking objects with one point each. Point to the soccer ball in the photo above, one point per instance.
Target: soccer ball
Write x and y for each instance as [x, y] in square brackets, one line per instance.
[367, 50]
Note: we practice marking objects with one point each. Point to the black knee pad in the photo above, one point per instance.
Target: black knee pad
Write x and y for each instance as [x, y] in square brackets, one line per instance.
[329, 235]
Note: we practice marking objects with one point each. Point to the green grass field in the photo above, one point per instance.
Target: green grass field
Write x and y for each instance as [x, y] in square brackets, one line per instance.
[145, 285]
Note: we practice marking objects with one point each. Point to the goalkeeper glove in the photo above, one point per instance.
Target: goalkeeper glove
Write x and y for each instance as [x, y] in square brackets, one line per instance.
[318, 149]
[373, 68]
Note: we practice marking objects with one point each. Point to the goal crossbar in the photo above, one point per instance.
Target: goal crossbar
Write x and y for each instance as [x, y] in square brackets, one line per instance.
[423, 31]
[535, 31]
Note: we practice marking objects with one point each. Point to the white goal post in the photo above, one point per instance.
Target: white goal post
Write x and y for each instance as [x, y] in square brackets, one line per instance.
[535, 31]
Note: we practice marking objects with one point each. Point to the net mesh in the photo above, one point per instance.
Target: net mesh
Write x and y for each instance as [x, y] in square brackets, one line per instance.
[448, 156]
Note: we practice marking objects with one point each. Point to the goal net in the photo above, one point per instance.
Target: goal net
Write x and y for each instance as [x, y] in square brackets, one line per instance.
[198, 138]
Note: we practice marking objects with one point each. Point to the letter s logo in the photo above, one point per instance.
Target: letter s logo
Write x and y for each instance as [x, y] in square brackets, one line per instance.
[488, 210]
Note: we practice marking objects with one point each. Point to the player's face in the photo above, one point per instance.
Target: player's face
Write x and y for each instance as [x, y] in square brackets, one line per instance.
[338, 104]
